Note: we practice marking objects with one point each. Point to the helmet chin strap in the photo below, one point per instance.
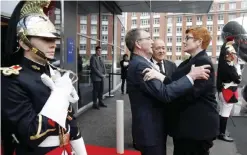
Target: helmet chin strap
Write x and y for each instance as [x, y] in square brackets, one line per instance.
[23, 37]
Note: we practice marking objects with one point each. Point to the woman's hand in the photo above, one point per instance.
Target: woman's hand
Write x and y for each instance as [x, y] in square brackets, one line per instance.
[152, 74]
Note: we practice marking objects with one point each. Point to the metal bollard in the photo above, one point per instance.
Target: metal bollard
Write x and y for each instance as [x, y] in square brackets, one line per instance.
[120, 126]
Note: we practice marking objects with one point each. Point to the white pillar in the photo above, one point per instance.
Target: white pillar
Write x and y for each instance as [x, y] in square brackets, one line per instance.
[120, 126]
[115, 51]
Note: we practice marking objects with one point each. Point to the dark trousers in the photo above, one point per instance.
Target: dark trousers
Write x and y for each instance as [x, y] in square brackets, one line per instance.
[122, 86]
[192, 147]
[98, 87]
[153, 150]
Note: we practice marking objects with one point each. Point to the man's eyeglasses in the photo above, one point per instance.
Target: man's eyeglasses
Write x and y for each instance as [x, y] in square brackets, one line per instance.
[147, 38]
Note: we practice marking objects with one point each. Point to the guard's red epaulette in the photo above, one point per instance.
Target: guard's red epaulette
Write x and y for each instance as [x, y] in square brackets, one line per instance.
[7, 71]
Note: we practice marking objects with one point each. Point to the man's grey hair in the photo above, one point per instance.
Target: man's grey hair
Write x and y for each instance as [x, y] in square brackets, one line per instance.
[131, 37]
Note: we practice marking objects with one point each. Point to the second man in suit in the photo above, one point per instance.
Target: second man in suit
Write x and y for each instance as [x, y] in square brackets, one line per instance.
[166, 67]
[98, 73]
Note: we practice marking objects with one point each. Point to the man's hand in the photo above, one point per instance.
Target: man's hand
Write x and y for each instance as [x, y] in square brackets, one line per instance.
[200, 72]
[152, 74]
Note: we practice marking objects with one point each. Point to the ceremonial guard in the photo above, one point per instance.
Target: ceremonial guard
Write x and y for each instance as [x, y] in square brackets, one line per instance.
[37, 116]
[236, 30]
[228, 78]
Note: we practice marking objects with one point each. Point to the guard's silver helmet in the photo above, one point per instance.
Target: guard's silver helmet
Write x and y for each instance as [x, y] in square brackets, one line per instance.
[237, 30]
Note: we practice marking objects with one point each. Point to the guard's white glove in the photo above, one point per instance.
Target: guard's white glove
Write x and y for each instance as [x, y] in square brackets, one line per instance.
[57, 104]
[73, 96]
[238, 68]
[152, 74]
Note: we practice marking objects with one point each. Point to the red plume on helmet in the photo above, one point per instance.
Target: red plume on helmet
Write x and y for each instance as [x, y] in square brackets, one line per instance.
[230, 38]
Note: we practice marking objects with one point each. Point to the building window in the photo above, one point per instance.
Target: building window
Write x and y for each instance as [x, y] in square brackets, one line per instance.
[169, 29]
[145, 14]
[83, 38]
[179, 29]
[219, 38]
[220, 27]
[189, 19]
[104, 28]
[210, 28]
[104, 18]
[232, 5]
[178, 49]
[145, 22]
[210, 17]
[179, 19]
[122, 39]
[221, 6]
[169, 39]
[58, 17]
[155, 38]
[94, 37]
[104, 38]
[169, 57]
[94, 17]
[156, 21]
[93, 28]
[244, 5]
[218, 48]
[133, 22]
[179, 39]
[93, 46]
[179, 57]
[169, 49]
[220, 17]
[83, 27]
[199, 18]
[156, 30]
[169, 20]
[187, 27]
[83, 47]
[231, 16]
[133, 14]
[83, 17]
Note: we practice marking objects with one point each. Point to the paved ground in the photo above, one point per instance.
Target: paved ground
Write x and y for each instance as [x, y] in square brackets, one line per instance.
[99, 128]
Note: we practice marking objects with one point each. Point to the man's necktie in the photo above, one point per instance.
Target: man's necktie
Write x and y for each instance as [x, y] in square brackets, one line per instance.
[160, 67]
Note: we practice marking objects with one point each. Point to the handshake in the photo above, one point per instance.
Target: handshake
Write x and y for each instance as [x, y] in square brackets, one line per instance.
[62, 94]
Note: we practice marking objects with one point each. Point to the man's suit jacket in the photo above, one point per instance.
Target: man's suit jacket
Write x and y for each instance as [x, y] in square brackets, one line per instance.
[195, 115]
[170, 67]
[97, 68]
[148, 100]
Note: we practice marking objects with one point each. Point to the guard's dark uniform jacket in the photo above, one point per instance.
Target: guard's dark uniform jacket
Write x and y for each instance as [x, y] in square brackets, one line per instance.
[23, 97]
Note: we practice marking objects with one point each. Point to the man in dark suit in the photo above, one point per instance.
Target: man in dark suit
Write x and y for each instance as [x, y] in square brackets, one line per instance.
[98, 73]
[147, 98]
[166, 67]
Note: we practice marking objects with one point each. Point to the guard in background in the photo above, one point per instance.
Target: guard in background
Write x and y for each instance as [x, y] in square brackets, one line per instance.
[37, 116]
[228, 78]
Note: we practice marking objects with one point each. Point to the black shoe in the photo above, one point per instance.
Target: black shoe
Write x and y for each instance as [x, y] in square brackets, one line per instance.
[225, 138]
[101, 104]
[95, 106]
[134, 146]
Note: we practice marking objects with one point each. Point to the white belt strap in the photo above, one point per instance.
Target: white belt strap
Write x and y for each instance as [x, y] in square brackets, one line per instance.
[227, 85]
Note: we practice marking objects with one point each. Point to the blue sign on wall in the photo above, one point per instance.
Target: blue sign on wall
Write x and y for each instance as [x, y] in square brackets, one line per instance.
[70, 50]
